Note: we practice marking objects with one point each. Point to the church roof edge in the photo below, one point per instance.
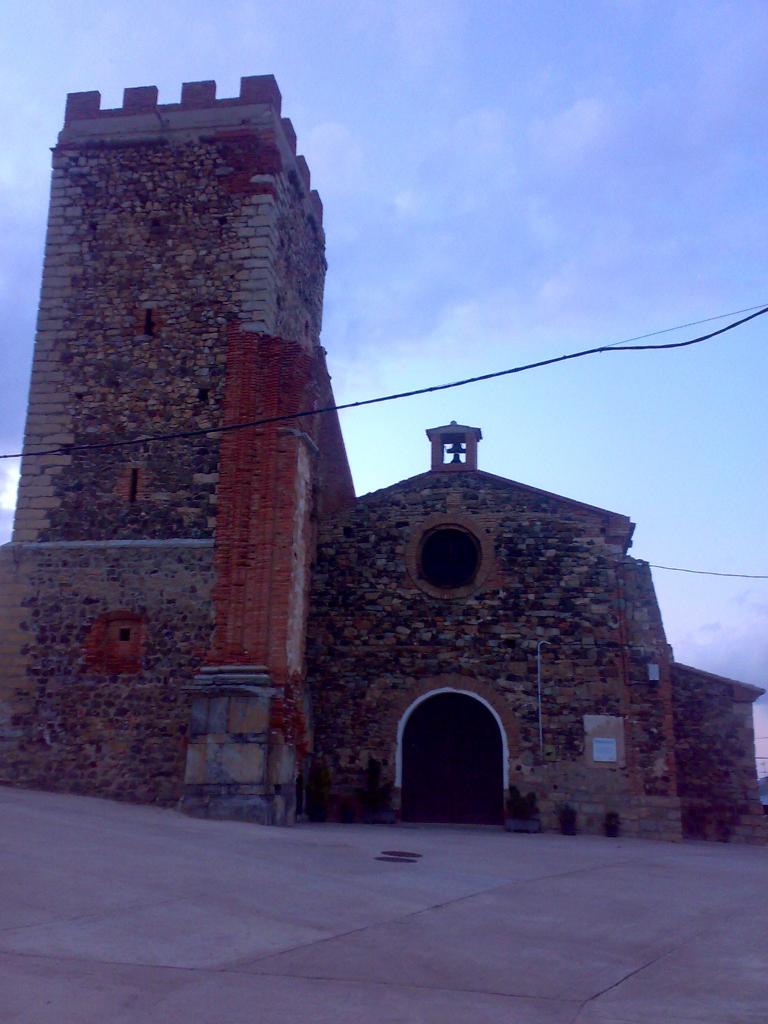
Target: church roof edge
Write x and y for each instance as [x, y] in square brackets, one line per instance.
[742, 692]
[430, 475]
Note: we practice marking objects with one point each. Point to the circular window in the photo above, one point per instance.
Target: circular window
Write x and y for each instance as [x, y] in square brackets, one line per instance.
[449, 557]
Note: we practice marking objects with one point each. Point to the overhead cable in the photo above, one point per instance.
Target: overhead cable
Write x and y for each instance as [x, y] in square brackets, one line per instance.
[284, 417]
[706, 572]
[681, 327]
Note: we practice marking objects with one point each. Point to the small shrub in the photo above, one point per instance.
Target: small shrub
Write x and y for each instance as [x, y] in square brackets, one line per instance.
[318, 792]
[611, 824]
[375, 796]
[521, 807]
[567, 817]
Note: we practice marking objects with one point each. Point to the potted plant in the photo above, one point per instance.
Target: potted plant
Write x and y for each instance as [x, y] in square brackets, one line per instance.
[375, 796]
[522, 812]
[611, 824]
[318, 792]
[348, 812]
[566, 815]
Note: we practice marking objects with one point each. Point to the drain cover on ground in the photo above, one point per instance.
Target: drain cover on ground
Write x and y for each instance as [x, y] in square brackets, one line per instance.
[399, 856]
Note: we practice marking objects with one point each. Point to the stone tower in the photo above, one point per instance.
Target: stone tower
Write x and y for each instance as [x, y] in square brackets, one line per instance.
[156, 591]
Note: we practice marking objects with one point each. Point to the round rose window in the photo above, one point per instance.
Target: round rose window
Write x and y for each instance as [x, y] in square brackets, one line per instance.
[449, 557]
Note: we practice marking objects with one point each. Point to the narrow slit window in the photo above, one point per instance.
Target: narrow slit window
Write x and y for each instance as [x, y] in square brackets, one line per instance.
[133, 485]
[149, 323]
[202, 394]
[115, 643]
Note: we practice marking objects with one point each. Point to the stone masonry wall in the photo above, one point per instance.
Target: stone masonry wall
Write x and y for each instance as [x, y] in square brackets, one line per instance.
[649, 724]
[72, 722]
[173, 229]
[167, 223]
[551, 570]
[715, 755]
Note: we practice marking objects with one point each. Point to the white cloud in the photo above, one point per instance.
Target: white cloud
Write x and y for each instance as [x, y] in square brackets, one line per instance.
[9, 485]
[541, 224]
[482, 134]
[335, 159]
[429, 33]
[736, 651]
[9, 482]
[476, 147]
[570, 136]
[6, 526]
[408, 203]
[465, 168]
[558, 290]
[760, 718]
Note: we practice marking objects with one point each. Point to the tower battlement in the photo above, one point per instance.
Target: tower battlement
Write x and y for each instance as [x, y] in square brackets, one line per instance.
[256, 109]
[254, 89]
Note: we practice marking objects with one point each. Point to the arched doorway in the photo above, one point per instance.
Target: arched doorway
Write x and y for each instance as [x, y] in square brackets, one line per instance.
[452, 762]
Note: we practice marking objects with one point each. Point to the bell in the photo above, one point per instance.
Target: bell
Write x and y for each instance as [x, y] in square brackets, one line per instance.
[456, 450]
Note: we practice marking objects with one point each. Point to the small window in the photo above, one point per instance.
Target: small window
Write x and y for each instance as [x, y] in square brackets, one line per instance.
[115, 644]
[133, 485]
[450, 557]
[202, 394]
[149, 323]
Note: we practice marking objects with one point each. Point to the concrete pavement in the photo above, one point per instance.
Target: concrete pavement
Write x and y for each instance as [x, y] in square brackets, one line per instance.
[115, 913]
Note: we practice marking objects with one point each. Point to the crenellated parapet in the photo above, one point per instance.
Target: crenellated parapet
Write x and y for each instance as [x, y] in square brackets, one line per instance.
[257, 110]
[254, 90]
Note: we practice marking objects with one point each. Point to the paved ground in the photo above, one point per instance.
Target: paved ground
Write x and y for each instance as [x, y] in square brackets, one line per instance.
[114, 914]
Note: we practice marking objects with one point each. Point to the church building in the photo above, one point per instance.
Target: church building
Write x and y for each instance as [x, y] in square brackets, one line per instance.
[196, 609]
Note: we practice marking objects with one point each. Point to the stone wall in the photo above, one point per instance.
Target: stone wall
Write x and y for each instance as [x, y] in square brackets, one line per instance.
[715, 746]
[552, 570]
[182, 291]
[167, 224]
[83, 723]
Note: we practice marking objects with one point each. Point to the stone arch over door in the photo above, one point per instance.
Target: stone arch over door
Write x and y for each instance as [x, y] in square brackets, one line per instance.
[452, 759]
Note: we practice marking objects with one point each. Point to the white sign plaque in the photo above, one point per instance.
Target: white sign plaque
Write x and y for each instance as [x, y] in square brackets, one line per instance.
[604, 749]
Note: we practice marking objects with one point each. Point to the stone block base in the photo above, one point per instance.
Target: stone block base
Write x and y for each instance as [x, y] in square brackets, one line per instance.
[236, 768]
[724, 822]
[270, 805]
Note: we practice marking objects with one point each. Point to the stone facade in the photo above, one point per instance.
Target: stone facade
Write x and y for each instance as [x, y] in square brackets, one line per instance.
[552, 570]
[714, 742]
[82, 719]
[211, 618]
[555, 603]
[182, 292]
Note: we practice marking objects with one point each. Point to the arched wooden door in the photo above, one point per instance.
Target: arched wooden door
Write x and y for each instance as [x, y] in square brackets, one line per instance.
[452, 762]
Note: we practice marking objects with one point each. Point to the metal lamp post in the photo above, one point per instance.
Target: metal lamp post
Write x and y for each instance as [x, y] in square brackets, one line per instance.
[539, 645]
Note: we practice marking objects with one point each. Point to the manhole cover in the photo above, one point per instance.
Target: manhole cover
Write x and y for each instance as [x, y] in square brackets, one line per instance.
[399, 853]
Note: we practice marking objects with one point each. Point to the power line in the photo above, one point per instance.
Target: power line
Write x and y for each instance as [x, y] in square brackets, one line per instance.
[706, 572]
[680, 327]
[205, 432]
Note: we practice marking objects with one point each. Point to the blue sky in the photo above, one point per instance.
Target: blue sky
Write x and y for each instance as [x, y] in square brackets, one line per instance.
[503, 181]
